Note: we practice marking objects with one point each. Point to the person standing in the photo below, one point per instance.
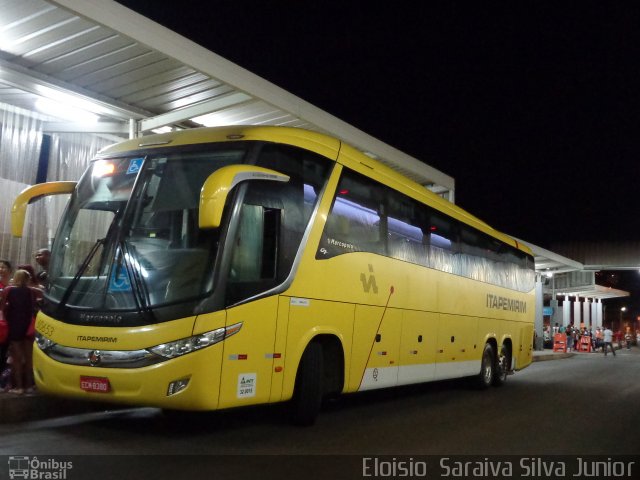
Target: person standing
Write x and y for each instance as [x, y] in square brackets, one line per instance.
[18, 303]
[608, 341]
[5, 273]
[6, 269]
[598, 337]
[42, 259]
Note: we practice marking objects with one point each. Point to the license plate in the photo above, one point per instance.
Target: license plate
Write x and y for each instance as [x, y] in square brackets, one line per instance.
[95, 384]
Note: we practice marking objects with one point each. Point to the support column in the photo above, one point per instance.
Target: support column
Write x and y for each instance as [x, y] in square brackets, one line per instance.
[594, 314]
[566, 311]
[586, 313]
[577, 313]
[599, 314]
[539, 319]
[556, 317]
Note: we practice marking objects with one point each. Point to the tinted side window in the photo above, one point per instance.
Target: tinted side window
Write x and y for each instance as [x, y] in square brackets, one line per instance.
[355, 221]
[408, 234]
[369, 217]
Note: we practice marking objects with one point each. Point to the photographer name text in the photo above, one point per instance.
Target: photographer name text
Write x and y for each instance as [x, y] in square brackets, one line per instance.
[524, 467]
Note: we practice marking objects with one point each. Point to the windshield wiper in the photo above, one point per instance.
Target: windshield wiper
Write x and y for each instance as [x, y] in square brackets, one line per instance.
[140, 292]
[83, 267]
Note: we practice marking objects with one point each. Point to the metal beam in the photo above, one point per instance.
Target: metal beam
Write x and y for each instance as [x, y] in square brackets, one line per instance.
[98, 127]
[183, 114]
[49, 87]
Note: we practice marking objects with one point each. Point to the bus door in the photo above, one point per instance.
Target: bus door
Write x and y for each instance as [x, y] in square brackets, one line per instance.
[248, 356]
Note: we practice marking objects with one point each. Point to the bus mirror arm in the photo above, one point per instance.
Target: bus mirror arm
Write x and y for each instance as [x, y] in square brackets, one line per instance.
[19, 209]
[217, 186]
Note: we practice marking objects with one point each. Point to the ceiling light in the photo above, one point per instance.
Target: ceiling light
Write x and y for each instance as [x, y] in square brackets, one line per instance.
[66, 112]
[215, 119]
[165, 129]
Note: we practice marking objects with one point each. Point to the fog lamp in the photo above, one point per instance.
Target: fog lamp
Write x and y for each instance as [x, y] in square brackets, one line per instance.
[177, 386]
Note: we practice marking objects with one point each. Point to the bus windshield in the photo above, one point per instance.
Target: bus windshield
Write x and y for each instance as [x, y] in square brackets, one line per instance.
[129, 239]
[130, 250]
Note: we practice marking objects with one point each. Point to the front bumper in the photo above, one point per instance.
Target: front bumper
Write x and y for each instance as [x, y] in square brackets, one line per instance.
[148, 386]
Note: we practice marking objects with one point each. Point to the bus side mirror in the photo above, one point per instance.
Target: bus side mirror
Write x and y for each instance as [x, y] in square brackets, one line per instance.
[19, 209]
[217, 186]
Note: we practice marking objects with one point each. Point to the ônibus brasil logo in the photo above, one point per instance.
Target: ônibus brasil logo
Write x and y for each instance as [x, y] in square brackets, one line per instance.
[38, 469]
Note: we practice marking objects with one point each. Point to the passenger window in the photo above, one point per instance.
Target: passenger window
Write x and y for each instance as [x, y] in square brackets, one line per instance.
[406, 227]
[442, 233]
[355, 222]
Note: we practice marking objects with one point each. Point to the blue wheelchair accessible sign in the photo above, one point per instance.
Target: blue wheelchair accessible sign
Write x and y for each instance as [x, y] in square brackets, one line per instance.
[119, 281]
[134, 165]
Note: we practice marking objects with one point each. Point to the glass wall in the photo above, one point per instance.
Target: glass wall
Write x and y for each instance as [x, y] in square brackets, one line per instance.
[21, 159]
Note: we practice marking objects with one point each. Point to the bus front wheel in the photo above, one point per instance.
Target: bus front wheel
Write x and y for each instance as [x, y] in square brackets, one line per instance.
[307, 396]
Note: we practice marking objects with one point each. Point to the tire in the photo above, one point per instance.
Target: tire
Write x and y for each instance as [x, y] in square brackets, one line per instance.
[502, 367]
[307, 396]
[487, 368]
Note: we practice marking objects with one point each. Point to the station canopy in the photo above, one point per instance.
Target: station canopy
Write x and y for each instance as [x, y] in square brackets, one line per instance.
[128, 76]
[568, 277]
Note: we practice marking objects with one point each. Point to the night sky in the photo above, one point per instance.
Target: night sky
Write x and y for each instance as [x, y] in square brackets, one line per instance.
[533, 108]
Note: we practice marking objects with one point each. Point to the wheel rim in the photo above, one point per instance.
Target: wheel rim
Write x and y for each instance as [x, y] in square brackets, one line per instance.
[503, 367]
[488, 369]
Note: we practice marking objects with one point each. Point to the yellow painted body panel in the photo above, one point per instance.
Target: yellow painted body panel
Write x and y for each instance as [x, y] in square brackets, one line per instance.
[376, 347]
[249, 355]
[419, 337]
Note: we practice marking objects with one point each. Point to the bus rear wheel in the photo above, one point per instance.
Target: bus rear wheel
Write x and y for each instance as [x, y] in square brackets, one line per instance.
[307, 396]
[487, 368]
[502, 367]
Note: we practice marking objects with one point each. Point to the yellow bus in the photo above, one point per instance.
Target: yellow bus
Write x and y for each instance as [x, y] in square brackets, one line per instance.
[220, 267]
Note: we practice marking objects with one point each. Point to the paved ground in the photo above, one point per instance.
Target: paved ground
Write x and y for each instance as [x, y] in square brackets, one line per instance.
[15, 408]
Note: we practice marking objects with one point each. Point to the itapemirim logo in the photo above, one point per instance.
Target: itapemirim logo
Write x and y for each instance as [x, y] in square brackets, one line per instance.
[37, 469]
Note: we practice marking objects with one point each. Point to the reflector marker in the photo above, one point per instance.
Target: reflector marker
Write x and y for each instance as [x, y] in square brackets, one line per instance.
[272, 355]
[238, 356]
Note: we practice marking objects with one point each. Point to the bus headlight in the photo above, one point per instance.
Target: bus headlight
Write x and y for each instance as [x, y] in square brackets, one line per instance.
[197, 342]
[43, 342]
